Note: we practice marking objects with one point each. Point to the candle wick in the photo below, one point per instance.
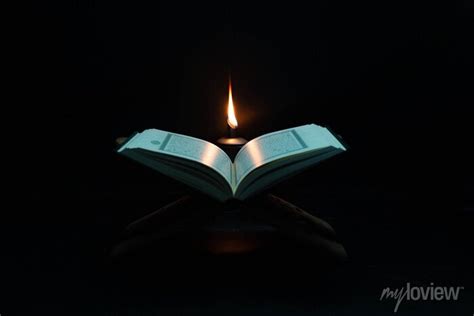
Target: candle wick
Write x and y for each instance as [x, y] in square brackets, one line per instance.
[231, 132]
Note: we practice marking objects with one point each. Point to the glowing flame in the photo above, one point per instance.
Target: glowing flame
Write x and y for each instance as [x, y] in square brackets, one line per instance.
[231, 119]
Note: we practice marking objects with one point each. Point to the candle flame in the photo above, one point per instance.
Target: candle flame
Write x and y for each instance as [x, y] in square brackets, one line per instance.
[231, 119]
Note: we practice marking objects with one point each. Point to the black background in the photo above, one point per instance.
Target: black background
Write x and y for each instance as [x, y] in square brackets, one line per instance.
[394, 79]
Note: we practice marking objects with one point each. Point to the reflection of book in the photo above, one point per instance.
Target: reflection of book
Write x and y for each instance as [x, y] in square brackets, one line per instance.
[261, 163]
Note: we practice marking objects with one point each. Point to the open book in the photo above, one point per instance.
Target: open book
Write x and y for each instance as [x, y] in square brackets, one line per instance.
[259, 164]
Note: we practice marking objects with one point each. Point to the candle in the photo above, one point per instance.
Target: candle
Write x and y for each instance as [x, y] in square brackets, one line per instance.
[232, 143]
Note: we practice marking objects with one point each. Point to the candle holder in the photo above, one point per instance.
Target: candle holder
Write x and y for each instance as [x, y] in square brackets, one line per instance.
[231, 227]
[231, 144]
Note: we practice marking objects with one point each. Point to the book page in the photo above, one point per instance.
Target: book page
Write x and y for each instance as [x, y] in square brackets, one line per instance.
[281, 144]
[185, 147]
